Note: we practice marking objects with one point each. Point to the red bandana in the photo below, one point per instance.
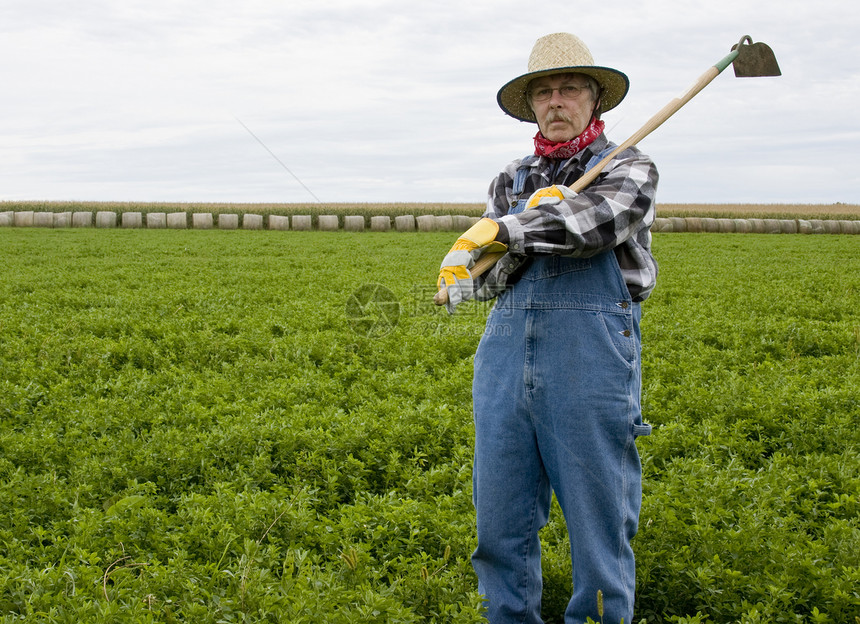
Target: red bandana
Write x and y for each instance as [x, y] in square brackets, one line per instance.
[551, 149]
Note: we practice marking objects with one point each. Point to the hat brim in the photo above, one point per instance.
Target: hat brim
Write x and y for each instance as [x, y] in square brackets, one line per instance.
[513, 100]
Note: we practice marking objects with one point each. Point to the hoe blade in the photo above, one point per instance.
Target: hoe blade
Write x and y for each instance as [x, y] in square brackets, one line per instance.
[754, 59]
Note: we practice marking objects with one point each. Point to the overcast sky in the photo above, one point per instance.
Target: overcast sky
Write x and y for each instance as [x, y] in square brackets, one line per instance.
[393, 101]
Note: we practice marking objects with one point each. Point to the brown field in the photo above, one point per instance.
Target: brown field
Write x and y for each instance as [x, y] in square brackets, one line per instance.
[734, 211]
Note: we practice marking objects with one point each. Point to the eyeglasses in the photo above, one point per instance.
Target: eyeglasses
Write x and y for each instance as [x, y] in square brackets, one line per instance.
[568, 92]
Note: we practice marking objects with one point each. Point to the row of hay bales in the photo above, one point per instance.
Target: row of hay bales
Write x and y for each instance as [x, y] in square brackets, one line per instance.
[403, 223]
[208, 221]
[756, 226]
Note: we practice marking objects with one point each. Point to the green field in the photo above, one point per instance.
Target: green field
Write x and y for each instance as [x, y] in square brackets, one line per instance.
[209, 426]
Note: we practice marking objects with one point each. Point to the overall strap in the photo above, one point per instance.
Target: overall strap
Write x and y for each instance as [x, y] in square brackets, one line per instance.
[520, 177]
[600, 156]
[522, 174]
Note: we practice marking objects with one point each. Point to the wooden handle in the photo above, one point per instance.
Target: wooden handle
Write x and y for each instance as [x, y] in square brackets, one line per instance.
[652, 124]
[486, 261]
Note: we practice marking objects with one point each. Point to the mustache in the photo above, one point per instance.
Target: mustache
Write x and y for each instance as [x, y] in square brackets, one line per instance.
[558, 116]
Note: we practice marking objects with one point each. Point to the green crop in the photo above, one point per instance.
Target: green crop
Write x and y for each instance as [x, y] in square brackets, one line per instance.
[209, 426]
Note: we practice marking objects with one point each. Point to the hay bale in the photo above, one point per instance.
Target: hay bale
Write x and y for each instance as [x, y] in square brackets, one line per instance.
[327, 223]
[710, 224]
[177, 221]
[82, 219]
[279, 222]
[252, 222]
[24, 218]
[831, 227]
[463, 223]
[380, 224]
[788, 226]
[7, 218]
[43, 219]
[662, 225]
[694, 224]
[804, 226]
[156, 220]
[679, 224]
[772, 226]
[62, 219]
[742, 226]
[849, 227]
[817, 226]
[105, 219]
[426, 223]
[229, 221]
[404, 223]
[444, 223]
[353, 223]
[132, 220]
[726, 226]
[302, 223]
[757, 226]
[202, 221]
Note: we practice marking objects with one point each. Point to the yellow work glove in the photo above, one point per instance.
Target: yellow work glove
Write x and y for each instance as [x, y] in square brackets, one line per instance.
[546, 195]
[454, 272]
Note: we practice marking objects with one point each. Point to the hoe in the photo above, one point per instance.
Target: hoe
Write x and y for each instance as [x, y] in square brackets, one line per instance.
[750, 60]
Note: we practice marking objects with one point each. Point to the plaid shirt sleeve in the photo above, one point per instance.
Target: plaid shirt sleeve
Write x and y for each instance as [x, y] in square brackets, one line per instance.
[615, 212]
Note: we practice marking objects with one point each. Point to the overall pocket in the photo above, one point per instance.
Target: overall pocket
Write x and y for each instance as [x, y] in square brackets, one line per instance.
[619, 331]
[548, 267]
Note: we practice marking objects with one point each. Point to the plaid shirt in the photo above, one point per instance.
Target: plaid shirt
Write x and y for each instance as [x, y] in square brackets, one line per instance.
[615, 212]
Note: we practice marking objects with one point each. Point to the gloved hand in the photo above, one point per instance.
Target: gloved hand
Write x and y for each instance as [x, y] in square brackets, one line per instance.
[454, 271]
[547, 195]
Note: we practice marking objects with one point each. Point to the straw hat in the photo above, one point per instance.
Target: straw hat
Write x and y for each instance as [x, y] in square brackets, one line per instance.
[560, 53]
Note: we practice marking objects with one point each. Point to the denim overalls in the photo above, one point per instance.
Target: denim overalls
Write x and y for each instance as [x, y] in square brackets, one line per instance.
[556, 396]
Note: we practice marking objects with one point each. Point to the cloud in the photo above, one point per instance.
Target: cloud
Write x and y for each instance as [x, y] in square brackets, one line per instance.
[381, 101]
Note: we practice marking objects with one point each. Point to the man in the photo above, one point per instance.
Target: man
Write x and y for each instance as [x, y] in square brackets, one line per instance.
[556, 386]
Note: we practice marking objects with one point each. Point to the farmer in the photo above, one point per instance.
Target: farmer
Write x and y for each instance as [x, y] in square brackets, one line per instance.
[556, 387]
